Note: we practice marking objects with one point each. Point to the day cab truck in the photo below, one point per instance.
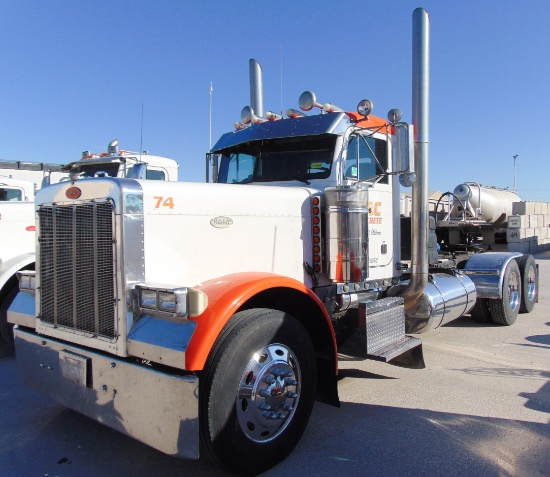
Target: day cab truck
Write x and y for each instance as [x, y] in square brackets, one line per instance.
[17, 214]
[208, 317]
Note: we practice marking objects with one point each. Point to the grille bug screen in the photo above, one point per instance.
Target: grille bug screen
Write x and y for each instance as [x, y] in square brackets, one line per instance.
[76, 266]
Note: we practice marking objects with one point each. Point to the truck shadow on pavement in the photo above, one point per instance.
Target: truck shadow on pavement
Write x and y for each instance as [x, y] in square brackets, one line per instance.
[466, 321]
[356, 440]
[538, 401]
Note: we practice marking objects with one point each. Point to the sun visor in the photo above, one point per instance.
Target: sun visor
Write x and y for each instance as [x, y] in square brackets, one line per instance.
[333, 123]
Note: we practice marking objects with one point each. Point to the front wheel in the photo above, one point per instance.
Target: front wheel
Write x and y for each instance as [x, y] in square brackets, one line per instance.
[257, 391]
[504, 311]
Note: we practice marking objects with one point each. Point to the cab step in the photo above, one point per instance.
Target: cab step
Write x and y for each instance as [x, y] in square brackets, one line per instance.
[380, 334]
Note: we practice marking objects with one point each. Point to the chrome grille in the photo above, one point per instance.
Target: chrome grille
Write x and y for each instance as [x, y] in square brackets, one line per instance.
[76, 264]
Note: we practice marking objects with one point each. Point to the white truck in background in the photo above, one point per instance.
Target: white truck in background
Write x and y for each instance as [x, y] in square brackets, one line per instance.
[17, 176]
[117, 163]
[17, 211]
[19, 181]
[17, 242]
[14, 190]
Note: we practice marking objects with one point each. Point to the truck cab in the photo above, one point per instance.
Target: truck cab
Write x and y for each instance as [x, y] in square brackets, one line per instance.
[328, 150]
[13, 190]
[120, 163]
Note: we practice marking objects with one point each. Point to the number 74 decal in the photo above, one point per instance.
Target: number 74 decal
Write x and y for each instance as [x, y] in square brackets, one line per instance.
[164, 202]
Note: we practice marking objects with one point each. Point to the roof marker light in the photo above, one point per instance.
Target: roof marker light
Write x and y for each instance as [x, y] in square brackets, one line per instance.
[258, 119]
[332, 108]
[294, 113]
[271, 116]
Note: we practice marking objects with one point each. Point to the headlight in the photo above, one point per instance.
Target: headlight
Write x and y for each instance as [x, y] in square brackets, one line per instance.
[178, 302]
[27, 281]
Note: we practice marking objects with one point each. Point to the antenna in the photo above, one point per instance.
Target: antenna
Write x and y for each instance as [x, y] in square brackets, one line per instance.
[281, 78]
[515, 156]
[141, 134]
[211, 89]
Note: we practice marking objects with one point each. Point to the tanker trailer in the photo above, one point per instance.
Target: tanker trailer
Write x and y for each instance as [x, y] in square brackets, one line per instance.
[477, 216]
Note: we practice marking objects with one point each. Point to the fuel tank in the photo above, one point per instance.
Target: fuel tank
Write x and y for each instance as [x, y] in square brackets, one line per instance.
[446, 298]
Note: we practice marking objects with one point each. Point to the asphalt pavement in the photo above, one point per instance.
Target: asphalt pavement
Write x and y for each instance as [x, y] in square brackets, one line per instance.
[480, 408]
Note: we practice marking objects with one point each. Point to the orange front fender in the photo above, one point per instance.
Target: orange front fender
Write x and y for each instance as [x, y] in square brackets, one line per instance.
[226, 295]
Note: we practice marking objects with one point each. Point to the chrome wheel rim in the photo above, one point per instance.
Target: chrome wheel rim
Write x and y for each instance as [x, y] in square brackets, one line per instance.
[531, 284]
[513, 291]
[268, 394]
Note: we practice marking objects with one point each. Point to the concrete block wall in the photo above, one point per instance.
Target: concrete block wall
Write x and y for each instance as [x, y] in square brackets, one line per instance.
[529, 227]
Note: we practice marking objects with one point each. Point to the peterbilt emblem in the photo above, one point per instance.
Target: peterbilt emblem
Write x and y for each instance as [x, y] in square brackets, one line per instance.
[221, 222]
[73, 193]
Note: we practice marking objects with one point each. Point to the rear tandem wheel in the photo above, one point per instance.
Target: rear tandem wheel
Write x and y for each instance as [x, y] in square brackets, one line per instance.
[529, 283]
[504, 311]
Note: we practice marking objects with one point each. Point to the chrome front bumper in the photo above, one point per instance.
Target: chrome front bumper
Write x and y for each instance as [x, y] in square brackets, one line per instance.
[158, 409]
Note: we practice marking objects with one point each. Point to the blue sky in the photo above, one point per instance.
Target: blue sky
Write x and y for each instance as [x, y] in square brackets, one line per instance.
[74, 75]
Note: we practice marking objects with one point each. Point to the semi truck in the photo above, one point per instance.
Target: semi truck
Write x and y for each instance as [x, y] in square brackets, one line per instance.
[17, 217]
[19, 181]
[17, 225]
[206, 318]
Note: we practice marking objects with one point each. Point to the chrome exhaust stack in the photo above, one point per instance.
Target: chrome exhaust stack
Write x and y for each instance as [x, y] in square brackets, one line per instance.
[420, 195]
[256, 88]
[428, 303]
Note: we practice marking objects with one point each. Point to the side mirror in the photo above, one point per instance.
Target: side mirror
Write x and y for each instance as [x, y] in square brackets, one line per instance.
[407, 179]
[404, 150]
[139, 171]
[212, 164]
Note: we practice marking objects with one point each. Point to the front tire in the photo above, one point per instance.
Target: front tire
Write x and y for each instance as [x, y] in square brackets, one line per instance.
[504, 311]
[257, 391]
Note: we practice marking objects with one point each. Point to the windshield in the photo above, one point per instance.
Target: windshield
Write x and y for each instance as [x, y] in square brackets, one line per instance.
[9, 194]
[98, 170]
[298, 158]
